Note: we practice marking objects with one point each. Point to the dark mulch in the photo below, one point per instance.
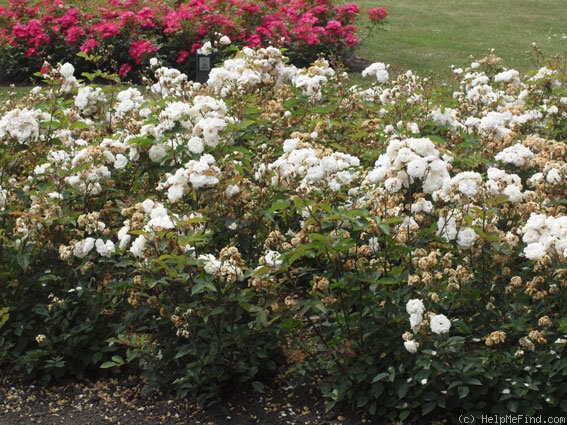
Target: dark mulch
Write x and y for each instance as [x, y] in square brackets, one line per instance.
[357, 64]
[118, 401]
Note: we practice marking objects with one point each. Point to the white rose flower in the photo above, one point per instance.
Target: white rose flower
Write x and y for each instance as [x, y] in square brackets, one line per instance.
[67, 70]
[138, 246]
[553, 176]
[120, 162]
[411, 346]
[211, 264]
[535, 251]
[513, 192]
[232, 190]
[272, 259]
[207, 48]
[157, 153]
[417, 168]
[466, 237]
[105, 249]
[175, 192]
[440, 324]
[393, 184]
[416, 319]
[20, 124]
[378, 70]
[82, 248]
[415, 306]
[196, 145]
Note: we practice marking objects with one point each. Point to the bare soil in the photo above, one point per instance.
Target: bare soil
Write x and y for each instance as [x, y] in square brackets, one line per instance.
[119, 401]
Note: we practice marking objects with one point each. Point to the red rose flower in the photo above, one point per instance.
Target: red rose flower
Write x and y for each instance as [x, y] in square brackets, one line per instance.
[377, 14]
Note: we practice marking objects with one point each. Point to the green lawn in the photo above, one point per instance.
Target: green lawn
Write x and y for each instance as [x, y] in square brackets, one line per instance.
[431, 35]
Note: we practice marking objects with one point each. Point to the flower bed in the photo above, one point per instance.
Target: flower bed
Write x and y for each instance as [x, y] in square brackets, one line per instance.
[403, 243]
[123, 35]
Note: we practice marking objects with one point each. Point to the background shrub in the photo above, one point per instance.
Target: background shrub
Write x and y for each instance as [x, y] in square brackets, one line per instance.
[123, 35]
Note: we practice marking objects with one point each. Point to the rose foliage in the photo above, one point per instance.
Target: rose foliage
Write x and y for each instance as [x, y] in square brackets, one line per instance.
[404, 243]
[124, 34]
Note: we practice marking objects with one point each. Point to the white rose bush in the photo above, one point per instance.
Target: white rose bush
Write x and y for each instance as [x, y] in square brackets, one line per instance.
[407, 249]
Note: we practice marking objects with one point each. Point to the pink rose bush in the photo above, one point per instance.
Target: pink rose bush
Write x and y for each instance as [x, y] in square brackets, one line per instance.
[123, 34]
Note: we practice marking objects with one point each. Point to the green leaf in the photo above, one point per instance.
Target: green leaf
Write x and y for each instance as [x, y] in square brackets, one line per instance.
[385, 228]
[279, 206]
[118, 360]
[428, 407]
[203, 286]
[24, 260]
[463, 391]
[487, 236]
[4, 315]
[96, 357]
[403, 389]
[217, 310]
[403, 415]
[258, 386]
[261, 317]
[79, 125]
[380, 377]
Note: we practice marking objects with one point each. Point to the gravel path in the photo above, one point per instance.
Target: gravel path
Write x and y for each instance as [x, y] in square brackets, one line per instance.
[118, 401]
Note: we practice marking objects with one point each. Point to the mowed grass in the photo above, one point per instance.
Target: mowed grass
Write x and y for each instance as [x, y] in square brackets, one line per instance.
[428, 36]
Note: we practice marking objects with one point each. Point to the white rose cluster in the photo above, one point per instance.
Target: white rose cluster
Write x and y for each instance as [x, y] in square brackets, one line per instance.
[312, 80]
[446, 117]
[449, 229]
[306, 167]
[377, 70]
[502, 183]
[171, 82]
[508, 76]
[249, 69]
[407, 161]
[438, 323]
[406, 90]
[193, 126]
[129, 100]
[544, 235]
[119, 152]
[225, 268]
[199, 174]
[496, 113]
[69, 81]
[415, 308]
[154, 220]
[20, 124]
[517, 154]
[272, 259]
[89, 100]
[97, 240]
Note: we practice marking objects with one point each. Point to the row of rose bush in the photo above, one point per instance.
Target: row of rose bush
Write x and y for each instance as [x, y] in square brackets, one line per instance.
[124, 34]
[405, 244]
